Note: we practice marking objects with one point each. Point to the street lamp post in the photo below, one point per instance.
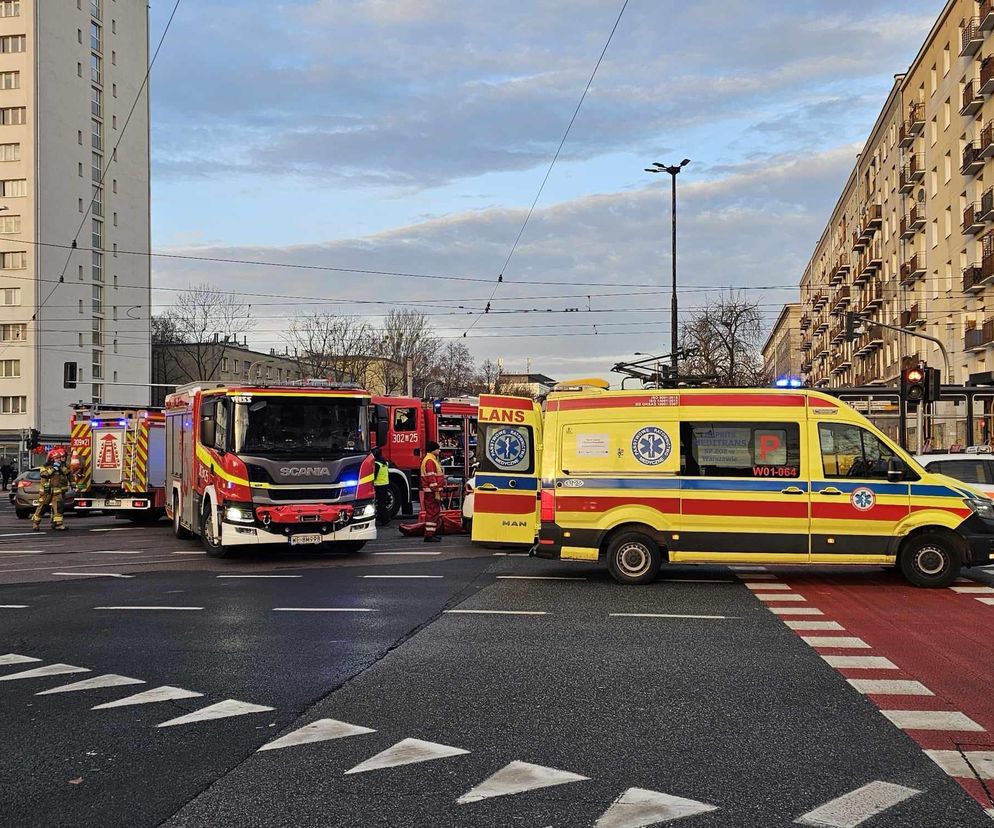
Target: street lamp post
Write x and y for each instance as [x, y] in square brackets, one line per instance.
[674, 171]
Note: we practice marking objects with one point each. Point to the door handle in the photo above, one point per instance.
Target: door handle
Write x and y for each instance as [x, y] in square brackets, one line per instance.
[831, 490]
[487, 487]
[792, 490]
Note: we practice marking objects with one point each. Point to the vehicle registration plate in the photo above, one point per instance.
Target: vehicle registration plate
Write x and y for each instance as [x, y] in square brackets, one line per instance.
[112, 502]
[302, 540]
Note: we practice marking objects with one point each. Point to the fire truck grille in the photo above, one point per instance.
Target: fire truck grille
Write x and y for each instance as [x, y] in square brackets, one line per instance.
[283, 495]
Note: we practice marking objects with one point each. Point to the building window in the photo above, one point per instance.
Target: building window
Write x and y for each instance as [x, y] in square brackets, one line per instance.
[10, 368]
[97, 135]
[13, 405]
[97, 397]
[12, 43]
[14, 260]
[9, 225]
[98, 299]
[79, 69]
[115, 282]
[113, 26]
[13, 116]
[10, 152]
[96, 37]
[80, 306]
[97, 365]
[98, 266]
[947, 168]
[113, 57]
[96, 69]
[96, 102]
[10, 80]
[96, 233]
[97, 202]
[113, 121]
[945, 61]
[98, 331]
[224, 364]
[115, 312]
[14, 187]
[10, 296]
[10, 8]
[14, 332]
[96, 166]
[96, 8]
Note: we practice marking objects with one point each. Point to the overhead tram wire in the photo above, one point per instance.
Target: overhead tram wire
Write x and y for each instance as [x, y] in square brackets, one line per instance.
[548, 172]
[111, 159]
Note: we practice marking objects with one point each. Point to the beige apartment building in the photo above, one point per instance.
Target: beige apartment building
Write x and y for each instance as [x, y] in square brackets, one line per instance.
[72, 212]
[782, 351]
[910, 242]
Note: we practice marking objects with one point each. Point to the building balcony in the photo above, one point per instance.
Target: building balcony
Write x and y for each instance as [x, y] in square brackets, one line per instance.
[973, 341]
[973, 161]
[840, 273]
[905, 138]
[806, 346]
[911, 318]
[912, 222]
[971, 37]
[986, 16]
[913, 269]
[987, 205]
[821, 325]
[805, 322]
[985, 144]
[806, 367]
[873, 296]
[819, 301]
[838, 334]
[972, 99]
[987, 75]
[916, 118]
[987, 332]
[972, 223]
[841, 300]
[870, 221]
[911, 173]
[973, 280]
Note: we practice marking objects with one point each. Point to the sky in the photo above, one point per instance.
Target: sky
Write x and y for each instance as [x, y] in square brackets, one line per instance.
[411, 137]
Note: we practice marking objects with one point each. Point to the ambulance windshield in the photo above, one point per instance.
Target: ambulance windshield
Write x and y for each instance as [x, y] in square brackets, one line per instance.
[306, 426]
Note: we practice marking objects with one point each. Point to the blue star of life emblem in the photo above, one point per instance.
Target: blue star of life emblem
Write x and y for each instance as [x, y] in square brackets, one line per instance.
[651, 446]
[507, 447]
[863, 499]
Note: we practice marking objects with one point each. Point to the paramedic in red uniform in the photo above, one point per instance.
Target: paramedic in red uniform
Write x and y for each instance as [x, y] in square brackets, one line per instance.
[432, 483]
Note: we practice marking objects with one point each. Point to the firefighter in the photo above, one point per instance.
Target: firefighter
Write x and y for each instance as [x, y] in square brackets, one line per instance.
[432, 482]
[381, 483]
[55, 481]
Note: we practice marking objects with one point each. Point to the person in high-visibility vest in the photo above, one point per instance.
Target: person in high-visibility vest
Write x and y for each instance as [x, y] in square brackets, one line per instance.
[55, 481]
[432, 482]
[381, 483]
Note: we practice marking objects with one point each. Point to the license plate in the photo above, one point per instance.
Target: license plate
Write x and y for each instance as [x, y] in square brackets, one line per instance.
[110, 502]
[303, 540]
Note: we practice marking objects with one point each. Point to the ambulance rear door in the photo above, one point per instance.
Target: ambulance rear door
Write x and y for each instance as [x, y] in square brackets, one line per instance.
[506, 505]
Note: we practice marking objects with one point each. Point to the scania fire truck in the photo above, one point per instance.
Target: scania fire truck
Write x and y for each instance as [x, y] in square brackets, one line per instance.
[289, 464]
[404, 425]
[119, 460]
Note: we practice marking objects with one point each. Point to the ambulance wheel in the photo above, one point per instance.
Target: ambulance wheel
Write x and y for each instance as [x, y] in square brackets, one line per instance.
[208, 535]
[633, 558]
[179, 530]
[931, 559]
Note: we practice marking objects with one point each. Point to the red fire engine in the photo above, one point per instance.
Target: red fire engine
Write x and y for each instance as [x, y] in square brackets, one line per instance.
[404, 425]
[118, 458]
[288, 464]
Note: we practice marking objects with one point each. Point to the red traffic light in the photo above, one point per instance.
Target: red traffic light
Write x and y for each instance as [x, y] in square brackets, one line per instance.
[915, 375]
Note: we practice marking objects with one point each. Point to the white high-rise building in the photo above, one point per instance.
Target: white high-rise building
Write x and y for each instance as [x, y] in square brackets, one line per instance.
[70, 72]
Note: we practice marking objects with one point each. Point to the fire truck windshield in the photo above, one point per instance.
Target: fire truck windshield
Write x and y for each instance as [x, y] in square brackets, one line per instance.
[307, 426]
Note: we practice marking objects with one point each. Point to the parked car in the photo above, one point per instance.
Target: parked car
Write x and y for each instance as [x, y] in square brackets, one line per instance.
[25, 490]
[974, 468]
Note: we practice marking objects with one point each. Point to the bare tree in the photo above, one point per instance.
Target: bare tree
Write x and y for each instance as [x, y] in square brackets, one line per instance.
[337, 348]
[488, 378]
[724, 341]
[408, 335]
[454, 372]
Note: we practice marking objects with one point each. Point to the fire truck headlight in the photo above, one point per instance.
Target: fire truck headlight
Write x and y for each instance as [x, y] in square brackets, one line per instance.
[240, 514]
[367, 511]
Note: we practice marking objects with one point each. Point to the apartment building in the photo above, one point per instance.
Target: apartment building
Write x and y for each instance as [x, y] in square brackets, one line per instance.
[910, 242]
[781, 352]
[72, 211]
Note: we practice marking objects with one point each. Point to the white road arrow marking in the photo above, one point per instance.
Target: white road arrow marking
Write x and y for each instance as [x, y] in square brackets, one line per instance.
[640, 808]
[49, 670]
[856, 807]
[518, 777]
[221, 710]
[322, 730]
[156, 694]
[407, 752]
[95, 683]
[14, 658]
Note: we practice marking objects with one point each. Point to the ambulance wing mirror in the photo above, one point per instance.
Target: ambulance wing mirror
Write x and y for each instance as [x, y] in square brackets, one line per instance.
[896, 469]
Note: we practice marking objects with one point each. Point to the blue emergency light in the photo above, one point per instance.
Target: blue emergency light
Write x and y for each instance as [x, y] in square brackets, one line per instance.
[789, 382]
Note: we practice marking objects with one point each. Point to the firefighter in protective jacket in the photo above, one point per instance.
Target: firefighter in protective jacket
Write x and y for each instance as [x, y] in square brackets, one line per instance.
[432, 482]
[55, 481]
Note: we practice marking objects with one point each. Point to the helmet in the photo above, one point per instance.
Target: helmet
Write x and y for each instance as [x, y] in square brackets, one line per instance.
[56, 454]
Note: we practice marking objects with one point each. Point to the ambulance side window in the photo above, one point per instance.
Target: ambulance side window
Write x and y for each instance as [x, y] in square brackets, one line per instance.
[848, 451]
[740, 449]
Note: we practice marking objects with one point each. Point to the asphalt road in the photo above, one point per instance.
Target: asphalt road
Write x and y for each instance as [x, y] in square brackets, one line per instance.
[693, 697]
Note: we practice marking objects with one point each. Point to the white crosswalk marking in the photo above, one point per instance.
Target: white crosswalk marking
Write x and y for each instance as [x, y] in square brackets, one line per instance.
[785, 596]
[932, 720]
[222, 710]
[890, 687]
[849, 662]
[967, 765]
[518, 777]
[156, 694]
[48, 670]
[840, 641]
[811, 626]
[856, 807]
[322, 730]
[768, 587]
[407, 752]
[973, 590]
[640, 808]
[795, 611]
[95, 683]
[988, 601]
[14, 658]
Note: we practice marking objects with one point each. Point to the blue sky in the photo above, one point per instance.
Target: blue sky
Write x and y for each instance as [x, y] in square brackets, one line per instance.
[412, 135]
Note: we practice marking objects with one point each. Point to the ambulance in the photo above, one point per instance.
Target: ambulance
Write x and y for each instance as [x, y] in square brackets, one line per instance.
[638, 479]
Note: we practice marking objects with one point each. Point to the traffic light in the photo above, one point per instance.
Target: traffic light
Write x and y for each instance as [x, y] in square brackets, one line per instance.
[933, 384]
[34, 439]
[852, 322]
[913, 385]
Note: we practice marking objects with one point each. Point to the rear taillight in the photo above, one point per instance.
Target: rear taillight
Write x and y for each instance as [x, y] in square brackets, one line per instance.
[24, 484]
[365, 490]
[548, 506]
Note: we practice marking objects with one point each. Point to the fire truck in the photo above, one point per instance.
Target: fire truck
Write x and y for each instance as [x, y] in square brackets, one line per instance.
[286, 464]
[119, 460]
[404, 425]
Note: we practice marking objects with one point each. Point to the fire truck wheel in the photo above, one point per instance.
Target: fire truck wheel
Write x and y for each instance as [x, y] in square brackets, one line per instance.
[394, 497]
[212, 543]
[633, 558]
[179, 530]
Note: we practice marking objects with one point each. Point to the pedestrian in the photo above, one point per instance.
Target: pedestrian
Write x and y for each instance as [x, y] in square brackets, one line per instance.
[55, 480]
[381, 483]
[6, 474]
[432, 481]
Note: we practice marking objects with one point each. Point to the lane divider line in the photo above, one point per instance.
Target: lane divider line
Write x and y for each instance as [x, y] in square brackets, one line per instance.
[777, 596]
[491, 612]
[322, 609]
[540, 578]
[403, 577]
[260, 576]
[860, 662]
[152, 608]
[13, 606]
[662, 615]
[94, 574]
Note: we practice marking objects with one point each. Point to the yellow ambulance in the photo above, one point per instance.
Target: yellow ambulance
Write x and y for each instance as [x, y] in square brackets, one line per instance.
[760, 476]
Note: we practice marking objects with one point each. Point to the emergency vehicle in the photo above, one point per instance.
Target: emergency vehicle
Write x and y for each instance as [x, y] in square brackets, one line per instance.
[404, 425]
[642, 478]
[289, 464]
[118, 459]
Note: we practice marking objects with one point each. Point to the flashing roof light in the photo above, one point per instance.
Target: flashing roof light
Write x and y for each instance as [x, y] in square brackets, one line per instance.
[789, 382]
